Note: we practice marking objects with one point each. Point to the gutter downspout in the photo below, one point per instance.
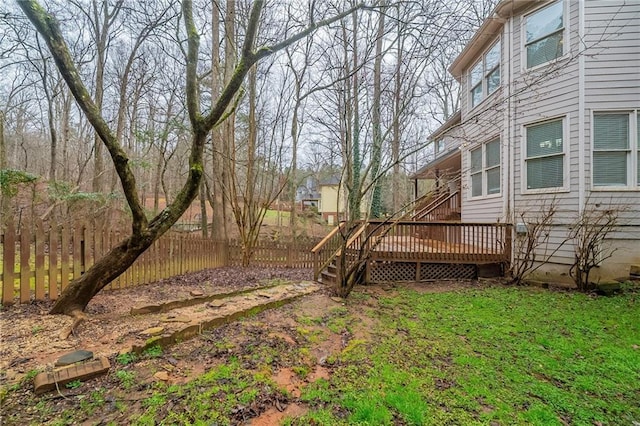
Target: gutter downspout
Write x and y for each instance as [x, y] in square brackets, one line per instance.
[511, 129]
[581, 110]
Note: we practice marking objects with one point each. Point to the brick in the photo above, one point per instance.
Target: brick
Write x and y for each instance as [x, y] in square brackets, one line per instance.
[46, 381]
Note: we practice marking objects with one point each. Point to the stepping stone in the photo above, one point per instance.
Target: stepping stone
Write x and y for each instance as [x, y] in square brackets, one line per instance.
[176, 319]
[337, 299]
[73, 358]
[265, 295]
[153, 331]
[216, 304]
[49, 380]
[196, 293]
[146, 310]
[162, 375]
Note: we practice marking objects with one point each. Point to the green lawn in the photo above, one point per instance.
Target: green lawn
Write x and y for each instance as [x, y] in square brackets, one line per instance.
[494, 356]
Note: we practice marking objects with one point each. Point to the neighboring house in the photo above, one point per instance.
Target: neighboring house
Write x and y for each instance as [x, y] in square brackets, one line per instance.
[307, 195]
[550, 112]
[333, 201]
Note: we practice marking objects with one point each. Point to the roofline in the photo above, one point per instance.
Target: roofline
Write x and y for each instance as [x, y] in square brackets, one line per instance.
[434, 162]
[487, 31]
[456, 118]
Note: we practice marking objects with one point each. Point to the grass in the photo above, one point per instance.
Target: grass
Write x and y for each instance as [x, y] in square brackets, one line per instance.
[493, 356]
[499, 355]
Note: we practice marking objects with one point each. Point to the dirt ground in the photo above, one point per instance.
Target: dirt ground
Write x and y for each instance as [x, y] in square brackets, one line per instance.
[29, 337]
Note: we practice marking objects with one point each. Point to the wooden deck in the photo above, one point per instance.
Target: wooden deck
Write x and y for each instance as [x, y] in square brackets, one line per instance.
[445, 242]
[412, 250]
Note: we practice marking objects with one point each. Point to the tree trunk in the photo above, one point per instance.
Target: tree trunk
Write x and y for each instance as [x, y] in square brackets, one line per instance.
[355, 196]
[376, 154]
[144, 232]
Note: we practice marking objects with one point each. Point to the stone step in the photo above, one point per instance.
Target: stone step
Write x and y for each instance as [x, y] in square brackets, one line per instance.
[58, 378]
[210, 315]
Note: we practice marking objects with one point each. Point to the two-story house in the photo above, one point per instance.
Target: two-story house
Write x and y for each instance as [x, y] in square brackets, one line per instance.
[550, 113]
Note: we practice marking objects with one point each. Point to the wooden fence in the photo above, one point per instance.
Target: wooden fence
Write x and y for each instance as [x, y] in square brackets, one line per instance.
[39, 261]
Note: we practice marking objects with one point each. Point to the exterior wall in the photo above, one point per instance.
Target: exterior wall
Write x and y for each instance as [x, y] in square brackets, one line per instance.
[330, 205]
[482, 123]
[599, 71]
[546, 92]
[612, 82]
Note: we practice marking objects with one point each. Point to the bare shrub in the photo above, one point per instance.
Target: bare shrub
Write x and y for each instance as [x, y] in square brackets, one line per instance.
[588, 234]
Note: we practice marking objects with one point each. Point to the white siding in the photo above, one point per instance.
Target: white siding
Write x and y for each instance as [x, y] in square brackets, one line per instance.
[605, 65]
[612, 75]
[549, 91]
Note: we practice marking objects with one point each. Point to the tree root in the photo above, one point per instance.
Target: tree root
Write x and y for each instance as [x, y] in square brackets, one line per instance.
[78, 318]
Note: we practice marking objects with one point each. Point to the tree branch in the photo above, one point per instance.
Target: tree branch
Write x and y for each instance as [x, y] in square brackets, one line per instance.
[48, 28]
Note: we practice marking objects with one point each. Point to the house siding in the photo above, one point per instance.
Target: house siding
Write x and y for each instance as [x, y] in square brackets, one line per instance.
[612, 83]
[599, 71]
[540, 94]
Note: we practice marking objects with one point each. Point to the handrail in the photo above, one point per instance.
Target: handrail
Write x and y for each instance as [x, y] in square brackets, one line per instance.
[439, 197]
[330, 235]
[325, 250]
[437, 203]
[354, 237]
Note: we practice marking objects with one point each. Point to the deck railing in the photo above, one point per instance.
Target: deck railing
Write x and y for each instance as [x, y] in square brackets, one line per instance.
[327, 248]
[441, 208]
[445, 242]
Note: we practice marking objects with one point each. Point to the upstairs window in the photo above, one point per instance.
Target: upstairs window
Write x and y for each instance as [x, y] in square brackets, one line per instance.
[616, 151]
[485, 169]
[545, 155]
[484, 77]
[544, 34]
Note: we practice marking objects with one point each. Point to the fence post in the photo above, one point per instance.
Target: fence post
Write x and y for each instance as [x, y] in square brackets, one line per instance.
[39, 252]
[53, 260]
[8, 263]
[25, 267]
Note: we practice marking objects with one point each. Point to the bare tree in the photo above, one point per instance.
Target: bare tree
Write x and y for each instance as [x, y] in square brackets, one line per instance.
[144, 231]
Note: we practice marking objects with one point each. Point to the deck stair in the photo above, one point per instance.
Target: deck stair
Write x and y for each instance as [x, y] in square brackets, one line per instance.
[443, 206]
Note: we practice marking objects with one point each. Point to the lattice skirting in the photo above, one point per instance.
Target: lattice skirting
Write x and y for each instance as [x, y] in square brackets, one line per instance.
[411, 271]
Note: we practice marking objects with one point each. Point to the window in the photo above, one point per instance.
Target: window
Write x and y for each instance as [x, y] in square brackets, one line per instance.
[484, 77]
[544, 37]
[476, 172]
[439, 146]
[485, 169]
[545, 155]
[615, 149]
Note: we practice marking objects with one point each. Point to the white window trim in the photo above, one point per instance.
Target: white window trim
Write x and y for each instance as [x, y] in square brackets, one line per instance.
[566, 187]
[566, 46]
[483, 171]
[485, 73]
[634, 147]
